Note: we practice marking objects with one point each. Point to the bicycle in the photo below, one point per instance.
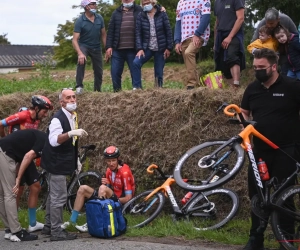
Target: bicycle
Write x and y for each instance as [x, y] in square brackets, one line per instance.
[91, 178]
[222, 160]
[205, 210]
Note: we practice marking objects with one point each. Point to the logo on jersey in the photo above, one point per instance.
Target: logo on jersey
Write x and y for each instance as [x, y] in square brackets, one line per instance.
[196, 12]
[278, 94]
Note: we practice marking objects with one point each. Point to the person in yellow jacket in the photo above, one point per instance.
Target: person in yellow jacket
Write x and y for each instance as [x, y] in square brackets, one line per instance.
[265, 40]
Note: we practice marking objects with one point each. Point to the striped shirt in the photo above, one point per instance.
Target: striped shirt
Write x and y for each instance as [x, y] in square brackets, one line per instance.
[127, 33]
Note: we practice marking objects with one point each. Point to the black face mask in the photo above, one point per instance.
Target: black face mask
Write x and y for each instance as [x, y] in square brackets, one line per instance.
[262, 75]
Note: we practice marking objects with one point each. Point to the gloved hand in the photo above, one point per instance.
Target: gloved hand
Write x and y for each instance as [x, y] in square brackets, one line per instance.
[77, 132]
[79, 166]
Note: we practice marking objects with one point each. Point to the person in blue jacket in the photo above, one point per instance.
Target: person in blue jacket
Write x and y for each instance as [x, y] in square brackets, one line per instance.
[153, 38]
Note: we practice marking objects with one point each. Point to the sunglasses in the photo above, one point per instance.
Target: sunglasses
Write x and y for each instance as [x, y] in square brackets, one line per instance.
[66, 89]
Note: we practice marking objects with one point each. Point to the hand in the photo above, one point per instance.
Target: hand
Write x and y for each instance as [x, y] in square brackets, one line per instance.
[197, 41]
[79, 166]
[104, 181]
[81, 59]
[178, 48]
[163, 9]
[108, 54]
[166, 54]
[226, 42]
[140, 53]
[77, 132]
[16, 187]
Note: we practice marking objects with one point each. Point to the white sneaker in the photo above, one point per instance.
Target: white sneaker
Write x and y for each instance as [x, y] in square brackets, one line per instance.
[7, 234]
[38, 226]
[79, 90]
[84, 228]
[65, 225]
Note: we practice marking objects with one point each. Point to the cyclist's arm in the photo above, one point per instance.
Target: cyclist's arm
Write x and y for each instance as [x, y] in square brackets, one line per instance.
[11, 121]
[2, 132]
[128, 189]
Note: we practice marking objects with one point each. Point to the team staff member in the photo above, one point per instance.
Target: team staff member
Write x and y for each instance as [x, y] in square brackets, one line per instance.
[59, 159]
[29, 119]
[20, 147]
[273, 101]
[118, 184]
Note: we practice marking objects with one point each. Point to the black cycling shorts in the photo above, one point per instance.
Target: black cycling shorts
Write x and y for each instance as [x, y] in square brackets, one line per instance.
[95, 196]
[30, 175]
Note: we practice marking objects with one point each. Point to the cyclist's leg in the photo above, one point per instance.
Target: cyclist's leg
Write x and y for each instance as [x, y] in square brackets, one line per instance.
[105, 192]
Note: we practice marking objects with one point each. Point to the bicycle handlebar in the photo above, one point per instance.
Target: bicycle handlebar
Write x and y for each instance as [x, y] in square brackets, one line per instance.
[153, 166]
[232, 106]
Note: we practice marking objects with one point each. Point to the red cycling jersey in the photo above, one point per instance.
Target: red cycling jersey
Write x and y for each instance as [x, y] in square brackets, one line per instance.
[23, 119]
[122, 181]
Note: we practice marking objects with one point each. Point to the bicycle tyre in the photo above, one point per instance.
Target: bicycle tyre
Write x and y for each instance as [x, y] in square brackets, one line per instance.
[278, 218]
[223, 205]
[90, 178]
[138, 218]
[44, 191]
[231, 159]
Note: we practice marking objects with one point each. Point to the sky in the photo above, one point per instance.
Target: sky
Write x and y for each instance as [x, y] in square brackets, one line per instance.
[35, 22]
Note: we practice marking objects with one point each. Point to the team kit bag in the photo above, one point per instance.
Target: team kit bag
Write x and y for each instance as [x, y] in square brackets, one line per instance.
[105, 218]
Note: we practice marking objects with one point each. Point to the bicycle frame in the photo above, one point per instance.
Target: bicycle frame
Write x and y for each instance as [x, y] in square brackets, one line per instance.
[244, 139]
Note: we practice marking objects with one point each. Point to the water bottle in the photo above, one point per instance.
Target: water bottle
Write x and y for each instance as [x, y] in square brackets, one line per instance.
[263, 170]
[186, 198]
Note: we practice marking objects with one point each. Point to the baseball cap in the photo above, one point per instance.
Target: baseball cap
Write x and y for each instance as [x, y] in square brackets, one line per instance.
[86, 2]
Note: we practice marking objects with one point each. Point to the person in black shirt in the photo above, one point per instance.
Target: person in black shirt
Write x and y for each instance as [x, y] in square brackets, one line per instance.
[20, 147]
[273, 101]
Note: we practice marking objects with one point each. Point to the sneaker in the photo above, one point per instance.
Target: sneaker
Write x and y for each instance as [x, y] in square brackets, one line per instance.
[79, 90]
[38, 226]
[63, 235]
[83, 229]
[23, 235]
[46, 230]
[65, 225]
[254, 244]
[7, 234]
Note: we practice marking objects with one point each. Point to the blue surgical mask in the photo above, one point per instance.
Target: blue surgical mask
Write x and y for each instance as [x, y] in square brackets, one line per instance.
[128, 5]
[93, 11]
[148, 7]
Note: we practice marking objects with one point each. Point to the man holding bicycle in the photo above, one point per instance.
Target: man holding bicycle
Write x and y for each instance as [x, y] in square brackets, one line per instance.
[59, 159]
[28, 119]
[273, 101]
[118, 184]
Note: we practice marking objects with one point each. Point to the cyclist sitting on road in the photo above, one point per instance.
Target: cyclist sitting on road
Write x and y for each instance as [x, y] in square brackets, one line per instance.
[29, 119]
[117, 185]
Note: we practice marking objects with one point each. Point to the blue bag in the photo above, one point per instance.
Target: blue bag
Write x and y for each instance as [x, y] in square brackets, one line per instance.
[105, 218]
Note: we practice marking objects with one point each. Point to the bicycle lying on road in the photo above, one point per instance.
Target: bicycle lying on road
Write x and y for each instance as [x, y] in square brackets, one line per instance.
[91, 178]
[222, 160]
[205, 210]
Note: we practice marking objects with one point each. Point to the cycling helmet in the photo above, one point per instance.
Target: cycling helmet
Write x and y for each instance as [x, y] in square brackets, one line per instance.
[42, 102]
[111, 152]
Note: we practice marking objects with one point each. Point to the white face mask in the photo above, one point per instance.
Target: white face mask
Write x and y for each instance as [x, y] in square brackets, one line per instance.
[71, 107]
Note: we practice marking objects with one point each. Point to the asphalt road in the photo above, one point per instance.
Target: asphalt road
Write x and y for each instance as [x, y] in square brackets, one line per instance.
[86, 242]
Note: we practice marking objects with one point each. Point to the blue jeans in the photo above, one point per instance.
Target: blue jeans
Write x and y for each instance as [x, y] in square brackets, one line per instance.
[159, 64]
[294, 74]
[96, 56]
[118, 58]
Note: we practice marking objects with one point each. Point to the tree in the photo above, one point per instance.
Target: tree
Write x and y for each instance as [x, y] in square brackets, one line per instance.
[3, 39]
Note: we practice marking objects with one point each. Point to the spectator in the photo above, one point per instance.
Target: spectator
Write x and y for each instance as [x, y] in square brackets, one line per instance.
[272, 19]
[20, 147]
[153, 37]
[29, 119]
[120, 43]
[88, 31]
[289, 44]
[191, 33]
[59, 159]
[265, 40]
[273, 101]
[229, 39]
[118, 184]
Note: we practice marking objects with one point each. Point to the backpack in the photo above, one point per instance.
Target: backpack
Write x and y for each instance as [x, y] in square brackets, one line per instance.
[105, 218]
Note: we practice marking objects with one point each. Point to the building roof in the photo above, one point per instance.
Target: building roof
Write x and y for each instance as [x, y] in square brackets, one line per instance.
[23, 55]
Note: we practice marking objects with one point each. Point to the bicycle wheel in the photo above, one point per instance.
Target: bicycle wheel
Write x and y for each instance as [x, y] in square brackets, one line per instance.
[213, 209]
[209, 171]
[139, 212]
[43, 196]
[90, 178]
[286, 226]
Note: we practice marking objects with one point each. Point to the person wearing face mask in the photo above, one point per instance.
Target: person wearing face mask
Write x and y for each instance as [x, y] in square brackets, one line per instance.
[89, 30]
[59, 159]
[153, 37]
[273, 101]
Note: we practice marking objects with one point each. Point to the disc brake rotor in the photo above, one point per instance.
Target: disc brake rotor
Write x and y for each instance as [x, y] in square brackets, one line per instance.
[203, 163]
